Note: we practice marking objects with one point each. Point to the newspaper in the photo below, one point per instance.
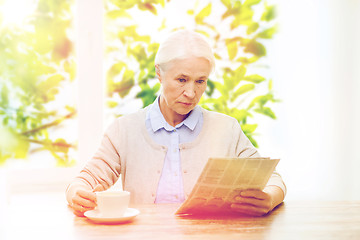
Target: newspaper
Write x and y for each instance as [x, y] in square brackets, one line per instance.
[224, 178]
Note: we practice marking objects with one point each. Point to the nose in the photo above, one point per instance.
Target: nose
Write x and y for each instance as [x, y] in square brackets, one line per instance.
[189, 90]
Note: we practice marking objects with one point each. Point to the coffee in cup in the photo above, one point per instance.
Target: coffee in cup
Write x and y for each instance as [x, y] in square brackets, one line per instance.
[112, 203]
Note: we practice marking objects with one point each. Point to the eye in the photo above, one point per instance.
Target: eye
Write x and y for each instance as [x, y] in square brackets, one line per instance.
[200, 81]
[182, 80]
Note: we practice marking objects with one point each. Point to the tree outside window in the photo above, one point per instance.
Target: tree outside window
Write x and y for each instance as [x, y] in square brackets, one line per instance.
[37, 73]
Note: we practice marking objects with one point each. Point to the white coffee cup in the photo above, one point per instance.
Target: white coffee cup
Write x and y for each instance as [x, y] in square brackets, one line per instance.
[112, 203]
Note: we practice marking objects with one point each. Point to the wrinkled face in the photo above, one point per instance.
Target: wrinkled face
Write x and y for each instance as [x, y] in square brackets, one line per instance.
[183, 81]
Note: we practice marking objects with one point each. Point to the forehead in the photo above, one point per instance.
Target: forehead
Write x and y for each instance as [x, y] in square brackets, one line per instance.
[192, 67]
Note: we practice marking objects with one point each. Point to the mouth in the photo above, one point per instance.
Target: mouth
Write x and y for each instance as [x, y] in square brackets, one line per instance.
[185, 103]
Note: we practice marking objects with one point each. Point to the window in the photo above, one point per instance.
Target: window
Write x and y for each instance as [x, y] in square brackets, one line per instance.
[56, 35]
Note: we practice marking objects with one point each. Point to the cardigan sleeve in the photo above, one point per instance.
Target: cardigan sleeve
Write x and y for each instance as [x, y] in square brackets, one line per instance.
[244, 148]
[104, 167]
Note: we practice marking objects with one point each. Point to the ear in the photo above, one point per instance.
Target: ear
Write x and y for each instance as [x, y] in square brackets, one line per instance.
[158, 72]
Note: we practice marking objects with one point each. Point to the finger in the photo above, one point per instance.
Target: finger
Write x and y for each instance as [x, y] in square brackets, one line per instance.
[266, 203]
[83, 202]
[248, 210]
[98, 188]
[79, 214]
[254, 194]
[86, 194]
[81, 209]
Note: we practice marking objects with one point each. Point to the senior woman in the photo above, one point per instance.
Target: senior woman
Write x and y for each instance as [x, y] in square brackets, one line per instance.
[161, 150]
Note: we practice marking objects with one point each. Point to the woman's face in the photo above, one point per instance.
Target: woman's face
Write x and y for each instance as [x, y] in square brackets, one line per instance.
[183, 81]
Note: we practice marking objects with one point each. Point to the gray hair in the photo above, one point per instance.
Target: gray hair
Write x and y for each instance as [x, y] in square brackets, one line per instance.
[184, 44]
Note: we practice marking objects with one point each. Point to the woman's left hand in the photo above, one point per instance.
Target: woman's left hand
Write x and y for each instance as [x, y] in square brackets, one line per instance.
[253, 203]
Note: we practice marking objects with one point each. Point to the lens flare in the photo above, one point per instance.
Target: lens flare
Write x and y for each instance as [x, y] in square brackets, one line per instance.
[15, 12]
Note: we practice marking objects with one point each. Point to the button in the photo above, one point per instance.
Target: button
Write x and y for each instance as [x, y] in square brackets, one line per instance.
[185, 171]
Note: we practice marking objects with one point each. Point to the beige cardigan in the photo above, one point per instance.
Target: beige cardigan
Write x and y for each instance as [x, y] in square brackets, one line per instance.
[128, 149]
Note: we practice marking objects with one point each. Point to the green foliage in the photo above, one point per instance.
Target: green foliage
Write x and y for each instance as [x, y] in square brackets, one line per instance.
[137, 52]
[240, 89]
[36, 60]
[206, 11]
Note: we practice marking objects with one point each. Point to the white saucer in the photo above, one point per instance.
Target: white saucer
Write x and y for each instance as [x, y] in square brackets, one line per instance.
[97, 217]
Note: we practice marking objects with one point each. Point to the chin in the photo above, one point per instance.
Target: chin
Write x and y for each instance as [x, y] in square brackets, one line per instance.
[184, 111]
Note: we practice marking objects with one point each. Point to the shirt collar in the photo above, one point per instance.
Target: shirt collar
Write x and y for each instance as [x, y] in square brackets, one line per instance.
[157, 120]
[193, 118]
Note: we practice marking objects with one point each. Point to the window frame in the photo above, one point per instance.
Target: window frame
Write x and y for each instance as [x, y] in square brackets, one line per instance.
[88, 24]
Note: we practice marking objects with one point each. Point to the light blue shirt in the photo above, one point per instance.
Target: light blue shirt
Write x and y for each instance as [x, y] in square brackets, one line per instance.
[170, 188]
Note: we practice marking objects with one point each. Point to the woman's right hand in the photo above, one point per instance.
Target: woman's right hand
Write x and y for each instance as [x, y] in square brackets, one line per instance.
[84, 200]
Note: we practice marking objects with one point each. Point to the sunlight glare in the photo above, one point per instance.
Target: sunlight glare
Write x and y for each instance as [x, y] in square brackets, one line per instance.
[15, 12]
